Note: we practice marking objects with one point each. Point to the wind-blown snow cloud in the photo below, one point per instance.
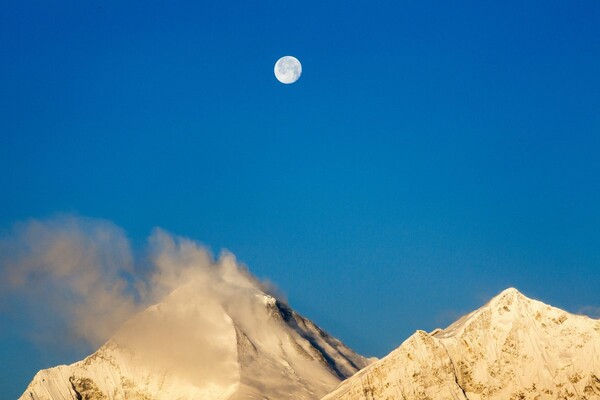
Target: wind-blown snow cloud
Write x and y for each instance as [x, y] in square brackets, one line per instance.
[70, 271]
[80, 274]
[590, 311]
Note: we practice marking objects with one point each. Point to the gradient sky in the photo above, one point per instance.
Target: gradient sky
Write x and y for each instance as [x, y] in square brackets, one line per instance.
[431, 154]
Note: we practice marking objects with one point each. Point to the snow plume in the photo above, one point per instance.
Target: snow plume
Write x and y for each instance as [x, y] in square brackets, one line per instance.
[177, 261]
[74, 277]
[590, 311]
[69, 271]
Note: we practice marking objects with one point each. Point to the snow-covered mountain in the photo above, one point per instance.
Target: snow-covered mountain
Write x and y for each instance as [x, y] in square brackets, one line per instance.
[513, 348]
[252, 346]
[243, 345]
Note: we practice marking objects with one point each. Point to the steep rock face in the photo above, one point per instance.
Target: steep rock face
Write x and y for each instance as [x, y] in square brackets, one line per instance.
[513, 348]
[194, 347]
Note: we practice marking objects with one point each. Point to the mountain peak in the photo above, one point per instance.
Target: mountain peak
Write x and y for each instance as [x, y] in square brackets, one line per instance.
[509, 302]
[507, 297]
[504, 309]
[511, 291]
[511, 348]
[213, 343]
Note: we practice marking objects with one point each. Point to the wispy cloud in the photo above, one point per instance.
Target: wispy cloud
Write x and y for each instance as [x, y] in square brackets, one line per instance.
[77, 278]
[590, 311]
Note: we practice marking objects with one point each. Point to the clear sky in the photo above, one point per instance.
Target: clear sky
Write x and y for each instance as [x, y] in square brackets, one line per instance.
[431, 154]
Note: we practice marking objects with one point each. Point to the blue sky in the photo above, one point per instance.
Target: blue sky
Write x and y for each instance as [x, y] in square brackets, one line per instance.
[431, 154]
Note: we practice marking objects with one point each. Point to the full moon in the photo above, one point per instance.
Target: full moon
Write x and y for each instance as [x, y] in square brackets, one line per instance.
[288, 69]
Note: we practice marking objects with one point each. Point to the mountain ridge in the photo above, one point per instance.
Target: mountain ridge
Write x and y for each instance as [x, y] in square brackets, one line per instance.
[511, 348]
[257, 347]
[188, 347]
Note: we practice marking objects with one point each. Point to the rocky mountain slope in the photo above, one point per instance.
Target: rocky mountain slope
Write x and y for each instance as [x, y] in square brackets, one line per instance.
[242, 345]
[513, 348]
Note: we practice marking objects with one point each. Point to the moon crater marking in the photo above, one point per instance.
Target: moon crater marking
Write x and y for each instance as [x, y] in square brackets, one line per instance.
[288, 69]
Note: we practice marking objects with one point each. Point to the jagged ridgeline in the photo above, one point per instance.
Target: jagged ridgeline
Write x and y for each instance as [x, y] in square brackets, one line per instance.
[189, 347]
[247, 345]
[513, 348]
